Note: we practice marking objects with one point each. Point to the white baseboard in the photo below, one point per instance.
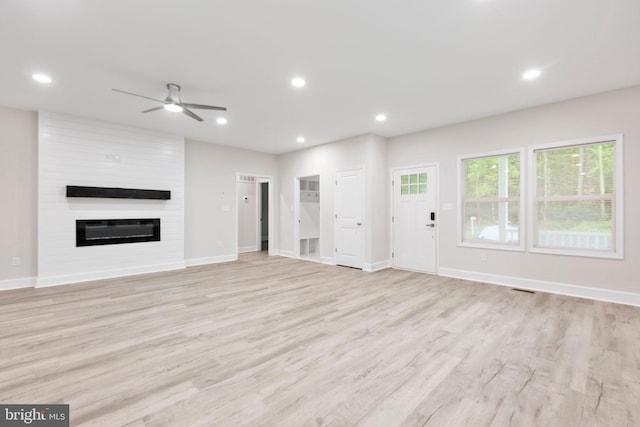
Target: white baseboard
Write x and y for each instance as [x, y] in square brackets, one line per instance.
[210, 260]
[376, 266]
[291, 254]
[328, 260]
[288, 254]
[42, 282]
[248, 249]
[23, 282]
[597, 294]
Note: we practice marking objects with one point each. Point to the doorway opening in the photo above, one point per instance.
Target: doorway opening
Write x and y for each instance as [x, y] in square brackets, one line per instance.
[254, 213]
[264, 216]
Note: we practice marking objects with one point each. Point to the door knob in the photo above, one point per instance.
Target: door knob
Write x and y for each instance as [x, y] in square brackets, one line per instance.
[431, 225]
[358, 223]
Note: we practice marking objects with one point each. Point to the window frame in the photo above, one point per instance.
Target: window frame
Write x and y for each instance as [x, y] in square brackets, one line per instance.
[618, 198]
[521, 246]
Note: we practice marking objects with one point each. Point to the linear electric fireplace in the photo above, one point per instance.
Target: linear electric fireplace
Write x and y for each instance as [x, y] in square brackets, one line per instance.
[90, 232]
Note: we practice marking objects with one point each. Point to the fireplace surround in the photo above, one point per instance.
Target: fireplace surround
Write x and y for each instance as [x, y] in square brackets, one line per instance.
[92, 232]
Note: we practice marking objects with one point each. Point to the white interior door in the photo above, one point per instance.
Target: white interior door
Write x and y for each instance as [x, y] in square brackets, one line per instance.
[415, 242]
[349, 216]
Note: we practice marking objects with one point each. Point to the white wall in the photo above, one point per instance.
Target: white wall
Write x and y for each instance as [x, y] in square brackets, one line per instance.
[210, 181]
[365, 151]
[18, 186]
[378, 203]
[210, 204]
[75, 151]
[604, 114]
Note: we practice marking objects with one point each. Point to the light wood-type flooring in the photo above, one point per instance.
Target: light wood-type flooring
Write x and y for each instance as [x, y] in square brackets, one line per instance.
[270, 341]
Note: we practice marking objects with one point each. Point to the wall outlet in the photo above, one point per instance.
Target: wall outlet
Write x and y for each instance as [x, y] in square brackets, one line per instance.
[483, 256]
[15, 260]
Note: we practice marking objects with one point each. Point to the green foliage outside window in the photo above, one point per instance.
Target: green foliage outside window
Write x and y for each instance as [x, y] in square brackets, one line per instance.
[491, 191]
[574, 188]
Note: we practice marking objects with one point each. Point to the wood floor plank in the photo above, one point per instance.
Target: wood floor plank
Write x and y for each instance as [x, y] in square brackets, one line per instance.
[270, 341]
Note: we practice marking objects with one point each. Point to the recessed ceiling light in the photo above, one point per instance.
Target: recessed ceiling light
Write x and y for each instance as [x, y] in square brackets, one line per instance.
[531, 74]
[221, 121]
[174, 108]
[300, 139]
[298, 82]
[381, 117]
[42, 78]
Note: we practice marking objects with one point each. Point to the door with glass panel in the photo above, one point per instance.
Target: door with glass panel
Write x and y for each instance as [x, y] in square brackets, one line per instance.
[414, 219]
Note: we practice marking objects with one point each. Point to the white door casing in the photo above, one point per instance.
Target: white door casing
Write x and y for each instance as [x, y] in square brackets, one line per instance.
[349, 218]
[415, 218]
[257, 179]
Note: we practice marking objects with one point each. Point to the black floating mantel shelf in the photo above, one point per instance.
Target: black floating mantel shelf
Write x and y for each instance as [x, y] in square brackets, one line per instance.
[117, 193]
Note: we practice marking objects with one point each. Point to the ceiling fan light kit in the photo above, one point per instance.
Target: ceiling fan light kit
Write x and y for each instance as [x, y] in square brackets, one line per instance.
[174, 108]
[173, 103]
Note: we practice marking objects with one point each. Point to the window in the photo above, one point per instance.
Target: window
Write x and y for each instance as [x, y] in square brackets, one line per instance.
[490, 202]
[413, 184]
[577, 197]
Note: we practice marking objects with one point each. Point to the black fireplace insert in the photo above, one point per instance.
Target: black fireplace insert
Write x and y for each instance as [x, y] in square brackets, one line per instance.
[91, 232]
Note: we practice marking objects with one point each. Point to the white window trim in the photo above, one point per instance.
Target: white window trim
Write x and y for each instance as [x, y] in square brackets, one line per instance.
[618, 253]
[521, 226]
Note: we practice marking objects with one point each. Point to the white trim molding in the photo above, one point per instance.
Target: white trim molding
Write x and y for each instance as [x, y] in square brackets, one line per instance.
[288, 254]
[23, 282]
[192, 262]
[376, 266]
[522, 213]
[243, 249]
[617, 251]
[598, 294]
[43, 282]
[328, 260]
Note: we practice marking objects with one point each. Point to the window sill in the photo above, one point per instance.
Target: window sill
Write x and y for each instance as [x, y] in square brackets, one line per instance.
[491, 246]
[586, 254]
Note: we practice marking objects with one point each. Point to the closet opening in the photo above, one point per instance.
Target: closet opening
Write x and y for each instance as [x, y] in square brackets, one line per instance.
[308, 217]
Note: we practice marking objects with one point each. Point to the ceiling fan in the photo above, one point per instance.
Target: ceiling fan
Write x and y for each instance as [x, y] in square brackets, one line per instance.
[174, 104]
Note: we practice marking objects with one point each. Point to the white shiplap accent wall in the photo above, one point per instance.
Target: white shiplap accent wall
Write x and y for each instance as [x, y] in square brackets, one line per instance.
[76, 151]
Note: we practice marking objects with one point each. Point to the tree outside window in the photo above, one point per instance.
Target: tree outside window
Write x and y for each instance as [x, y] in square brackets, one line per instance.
[575, 197]
[491, 199]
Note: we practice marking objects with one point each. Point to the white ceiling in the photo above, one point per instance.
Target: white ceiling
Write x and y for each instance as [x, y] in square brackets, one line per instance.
[424, 63]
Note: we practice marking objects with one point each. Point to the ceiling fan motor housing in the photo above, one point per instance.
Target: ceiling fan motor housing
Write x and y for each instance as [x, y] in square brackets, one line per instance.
[174, 93]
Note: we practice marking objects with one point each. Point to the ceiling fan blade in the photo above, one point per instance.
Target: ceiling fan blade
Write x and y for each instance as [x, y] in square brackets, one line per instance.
[153, 109]
[203, 107]
[135, 94]
[191, 114]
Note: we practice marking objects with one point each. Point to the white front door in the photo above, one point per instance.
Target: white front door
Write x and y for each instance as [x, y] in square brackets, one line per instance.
[415, 218]
[349, 217]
